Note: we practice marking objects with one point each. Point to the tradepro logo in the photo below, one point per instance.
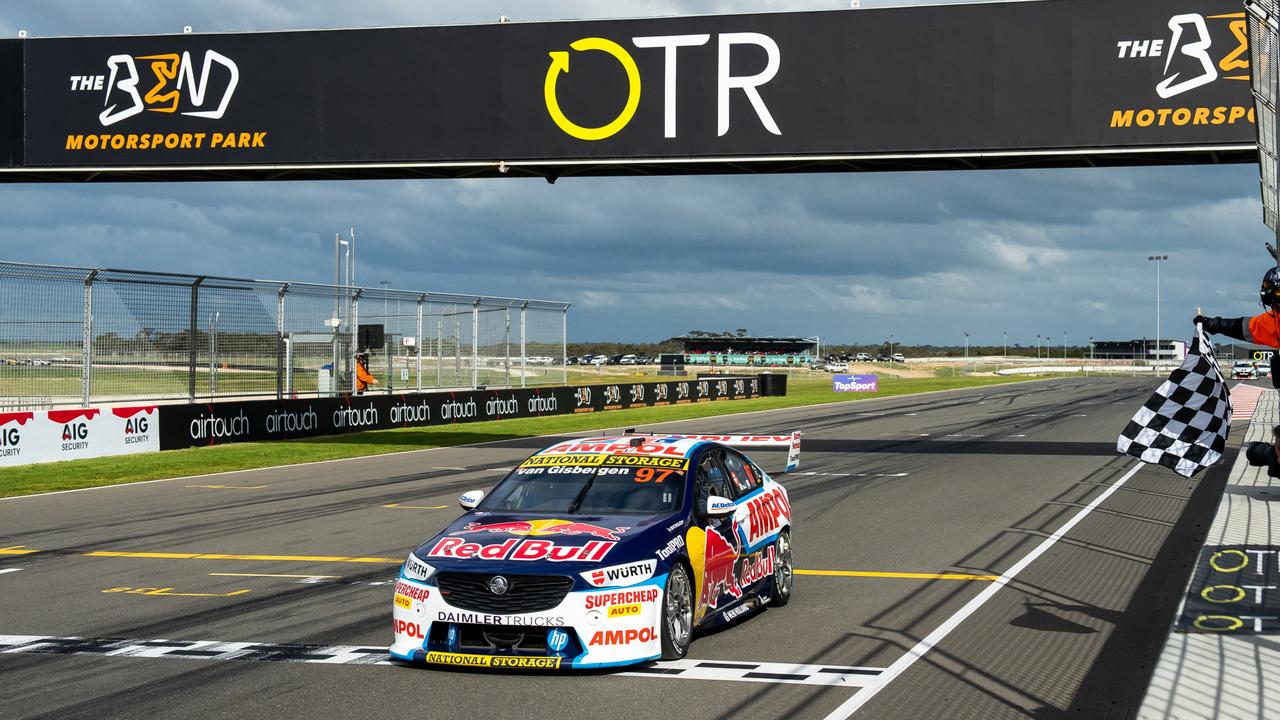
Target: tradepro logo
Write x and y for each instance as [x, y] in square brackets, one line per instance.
[726, 81]
[173, 86]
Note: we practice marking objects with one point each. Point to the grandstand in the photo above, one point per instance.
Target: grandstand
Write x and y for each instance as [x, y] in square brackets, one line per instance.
[755, 351]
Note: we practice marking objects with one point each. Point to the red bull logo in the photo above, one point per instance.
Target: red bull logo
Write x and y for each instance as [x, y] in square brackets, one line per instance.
[718, 573]
[544, 528]
[523, 550]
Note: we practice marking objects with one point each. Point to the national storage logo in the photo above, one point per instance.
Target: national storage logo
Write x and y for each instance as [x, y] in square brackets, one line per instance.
[134, 89]
[1194, 51]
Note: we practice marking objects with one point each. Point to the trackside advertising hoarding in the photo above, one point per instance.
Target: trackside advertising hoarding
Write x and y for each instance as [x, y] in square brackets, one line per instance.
[52, 435]
[215, 424]
[1053, 76]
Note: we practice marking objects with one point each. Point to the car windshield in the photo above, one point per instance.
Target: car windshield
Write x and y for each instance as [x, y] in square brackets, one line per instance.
[587, 490]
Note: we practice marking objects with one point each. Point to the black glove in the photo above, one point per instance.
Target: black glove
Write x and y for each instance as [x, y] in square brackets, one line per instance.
[1213, 325]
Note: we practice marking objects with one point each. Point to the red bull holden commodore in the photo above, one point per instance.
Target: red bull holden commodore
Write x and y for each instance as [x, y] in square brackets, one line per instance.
[600, 552]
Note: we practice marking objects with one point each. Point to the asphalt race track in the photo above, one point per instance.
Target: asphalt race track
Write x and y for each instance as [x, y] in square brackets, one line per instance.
[266, 594]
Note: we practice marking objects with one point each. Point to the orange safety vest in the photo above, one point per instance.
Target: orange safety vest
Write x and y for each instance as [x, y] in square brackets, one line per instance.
[363, 378]
[1264, 329]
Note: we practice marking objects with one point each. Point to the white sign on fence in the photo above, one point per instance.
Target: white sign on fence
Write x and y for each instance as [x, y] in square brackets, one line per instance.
[52, 435]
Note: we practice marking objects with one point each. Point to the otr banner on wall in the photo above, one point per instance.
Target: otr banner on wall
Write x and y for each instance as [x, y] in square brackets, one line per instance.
[194, 425]
[1026, 78]
[52, 435]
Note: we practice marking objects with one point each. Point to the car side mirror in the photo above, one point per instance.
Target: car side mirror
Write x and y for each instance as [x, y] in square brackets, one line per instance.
[469, 500]
[718, 507]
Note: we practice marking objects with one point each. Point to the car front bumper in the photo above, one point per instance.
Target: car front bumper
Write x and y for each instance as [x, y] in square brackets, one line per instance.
[591, 628]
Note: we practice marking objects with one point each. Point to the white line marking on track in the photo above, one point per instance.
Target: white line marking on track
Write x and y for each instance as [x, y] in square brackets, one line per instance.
[899, 666]
[736, 670]
[445, 467]
[8, 570]
[834, 474]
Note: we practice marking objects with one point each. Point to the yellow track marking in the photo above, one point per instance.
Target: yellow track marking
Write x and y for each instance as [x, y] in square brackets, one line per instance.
[903, 575]
[416, 507]
[167, 592]
[16, 550]
[264, 558]
[272, 576]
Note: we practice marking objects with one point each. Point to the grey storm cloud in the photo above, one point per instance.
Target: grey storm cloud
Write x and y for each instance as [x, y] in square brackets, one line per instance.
[853, 257]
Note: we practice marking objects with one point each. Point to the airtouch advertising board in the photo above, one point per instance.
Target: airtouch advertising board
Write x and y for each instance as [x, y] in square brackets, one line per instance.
[215, 424]
[1020, 77]
[49, 436]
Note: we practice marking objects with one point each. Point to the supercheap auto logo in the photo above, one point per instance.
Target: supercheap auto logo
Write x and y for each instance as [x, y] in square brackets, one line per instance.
[169, 83]
[1195, 51]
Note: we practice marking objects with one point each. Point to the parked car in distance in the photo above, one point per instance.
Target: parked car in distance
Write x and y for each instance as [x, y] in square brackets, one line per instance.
[864, 357]
[898, 357]
[836, 367]
[883, 358]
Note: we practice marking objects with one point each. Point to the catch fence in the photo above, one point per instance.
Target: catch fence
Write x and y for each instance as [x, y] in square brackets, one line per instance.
[73, 336]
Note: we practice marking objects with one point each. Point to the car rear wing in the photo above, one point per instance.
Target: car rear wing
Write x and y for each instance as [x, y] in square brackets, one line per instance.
[790, 442]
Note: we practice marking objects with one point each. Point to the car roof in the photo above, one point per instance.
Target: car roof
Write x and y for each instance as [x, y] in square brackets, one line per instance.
[610, 445]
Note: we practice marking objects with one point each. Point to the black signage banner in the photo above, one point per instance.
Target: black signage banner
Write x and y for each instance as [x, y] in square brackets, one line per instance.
[183, 426]
[1234, 591]
[1022, 78]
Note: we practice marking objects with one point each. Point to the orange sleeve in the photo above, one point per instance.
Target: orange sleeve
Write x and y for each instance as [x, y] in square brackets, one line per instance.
[1264, 329]
[363, 375]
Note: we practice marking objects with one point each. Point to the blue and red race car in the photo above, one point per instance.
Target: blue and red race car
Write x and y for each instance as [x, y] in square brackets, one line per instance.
[601, 552]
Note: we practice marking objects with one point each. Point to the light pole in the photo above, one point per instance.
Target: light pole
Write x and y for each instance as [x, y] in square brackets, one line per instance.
[1006, 345]
[966, 347]
[1037, 346]
[1090, 348]
[1064, 344]
[1158, 259]
[891, 344]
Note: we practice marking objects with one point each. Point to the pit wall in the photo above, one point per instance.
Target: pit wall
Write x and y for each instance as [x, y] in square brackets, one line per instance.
[38, 437]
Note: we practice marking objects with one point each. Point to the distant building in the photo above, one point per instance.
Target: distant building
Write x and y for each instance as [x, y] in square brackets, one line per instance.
[1169, 350]
[758, 351]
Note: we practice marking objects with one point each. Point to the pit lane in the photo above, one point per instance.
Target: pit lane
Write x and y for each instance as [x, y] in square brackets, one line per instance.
[895, 499]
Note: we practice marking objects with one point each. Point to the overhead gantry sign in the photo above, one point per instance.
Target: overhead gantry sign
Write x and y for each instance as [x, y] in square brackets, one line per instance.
[1018, 84]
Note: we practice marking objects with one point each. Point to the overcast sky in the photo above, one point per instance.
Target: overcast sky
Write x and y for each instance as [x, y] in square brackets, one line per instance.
[852, 257]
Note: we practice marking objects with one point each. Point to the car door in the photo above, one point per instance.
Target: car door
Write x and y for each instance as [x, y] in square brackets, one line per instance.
[715, 567]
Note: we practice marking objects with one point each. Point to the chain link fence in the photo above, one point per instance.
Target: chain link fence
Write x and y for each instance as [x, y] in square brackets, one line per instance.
[75, 336]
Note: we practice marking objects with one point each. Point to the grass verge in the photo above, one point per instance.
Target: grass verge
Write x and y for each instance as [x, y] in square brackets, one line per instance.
[75, 474]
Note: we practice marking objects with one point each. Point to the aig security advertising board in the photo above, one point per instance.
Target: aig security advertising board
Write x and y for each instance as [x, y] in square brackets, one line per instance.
[48, 436]
[1021, 77]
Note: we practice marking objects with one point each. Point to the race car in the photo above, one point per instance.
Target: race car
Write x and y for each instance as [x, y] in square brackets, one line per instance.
[601, 552]
[1244, 370]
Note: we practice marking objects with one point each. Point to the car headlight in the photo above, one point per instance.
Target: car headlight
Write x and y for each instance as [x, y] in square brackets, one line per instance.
[415, 569]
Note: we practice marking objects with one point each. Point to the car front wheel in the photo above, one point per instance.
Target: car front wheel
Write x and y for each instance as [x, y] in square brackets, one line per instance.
[782, 571]
[677, 614]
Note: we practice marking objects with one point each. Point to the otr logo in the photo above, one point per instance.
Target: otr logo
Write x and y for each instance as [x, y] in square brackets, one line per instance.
[670, 44]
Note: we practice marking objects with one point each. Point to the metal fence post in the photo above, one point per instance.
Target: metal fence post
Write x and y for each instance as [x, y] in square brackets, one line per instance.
[524, 363]
[355, 334]
[86, 350]
[193, 332]
[475, 343]
[507, 351]
[564, 347]
[280, 343]
[422, 299]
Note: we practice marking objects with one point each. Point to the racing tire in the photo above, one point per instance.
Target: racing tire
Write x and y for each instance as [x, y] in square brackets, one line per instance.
[677, 613]
[783, 571]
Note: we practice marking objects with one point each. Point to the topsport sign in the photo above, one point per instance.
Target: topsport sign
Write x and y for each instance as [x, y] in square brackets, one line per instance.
[965, 85]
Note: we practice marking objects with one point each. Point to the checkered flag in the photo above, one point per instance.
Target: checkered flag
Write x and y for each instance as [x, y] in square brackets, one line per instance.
[1183, 425]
